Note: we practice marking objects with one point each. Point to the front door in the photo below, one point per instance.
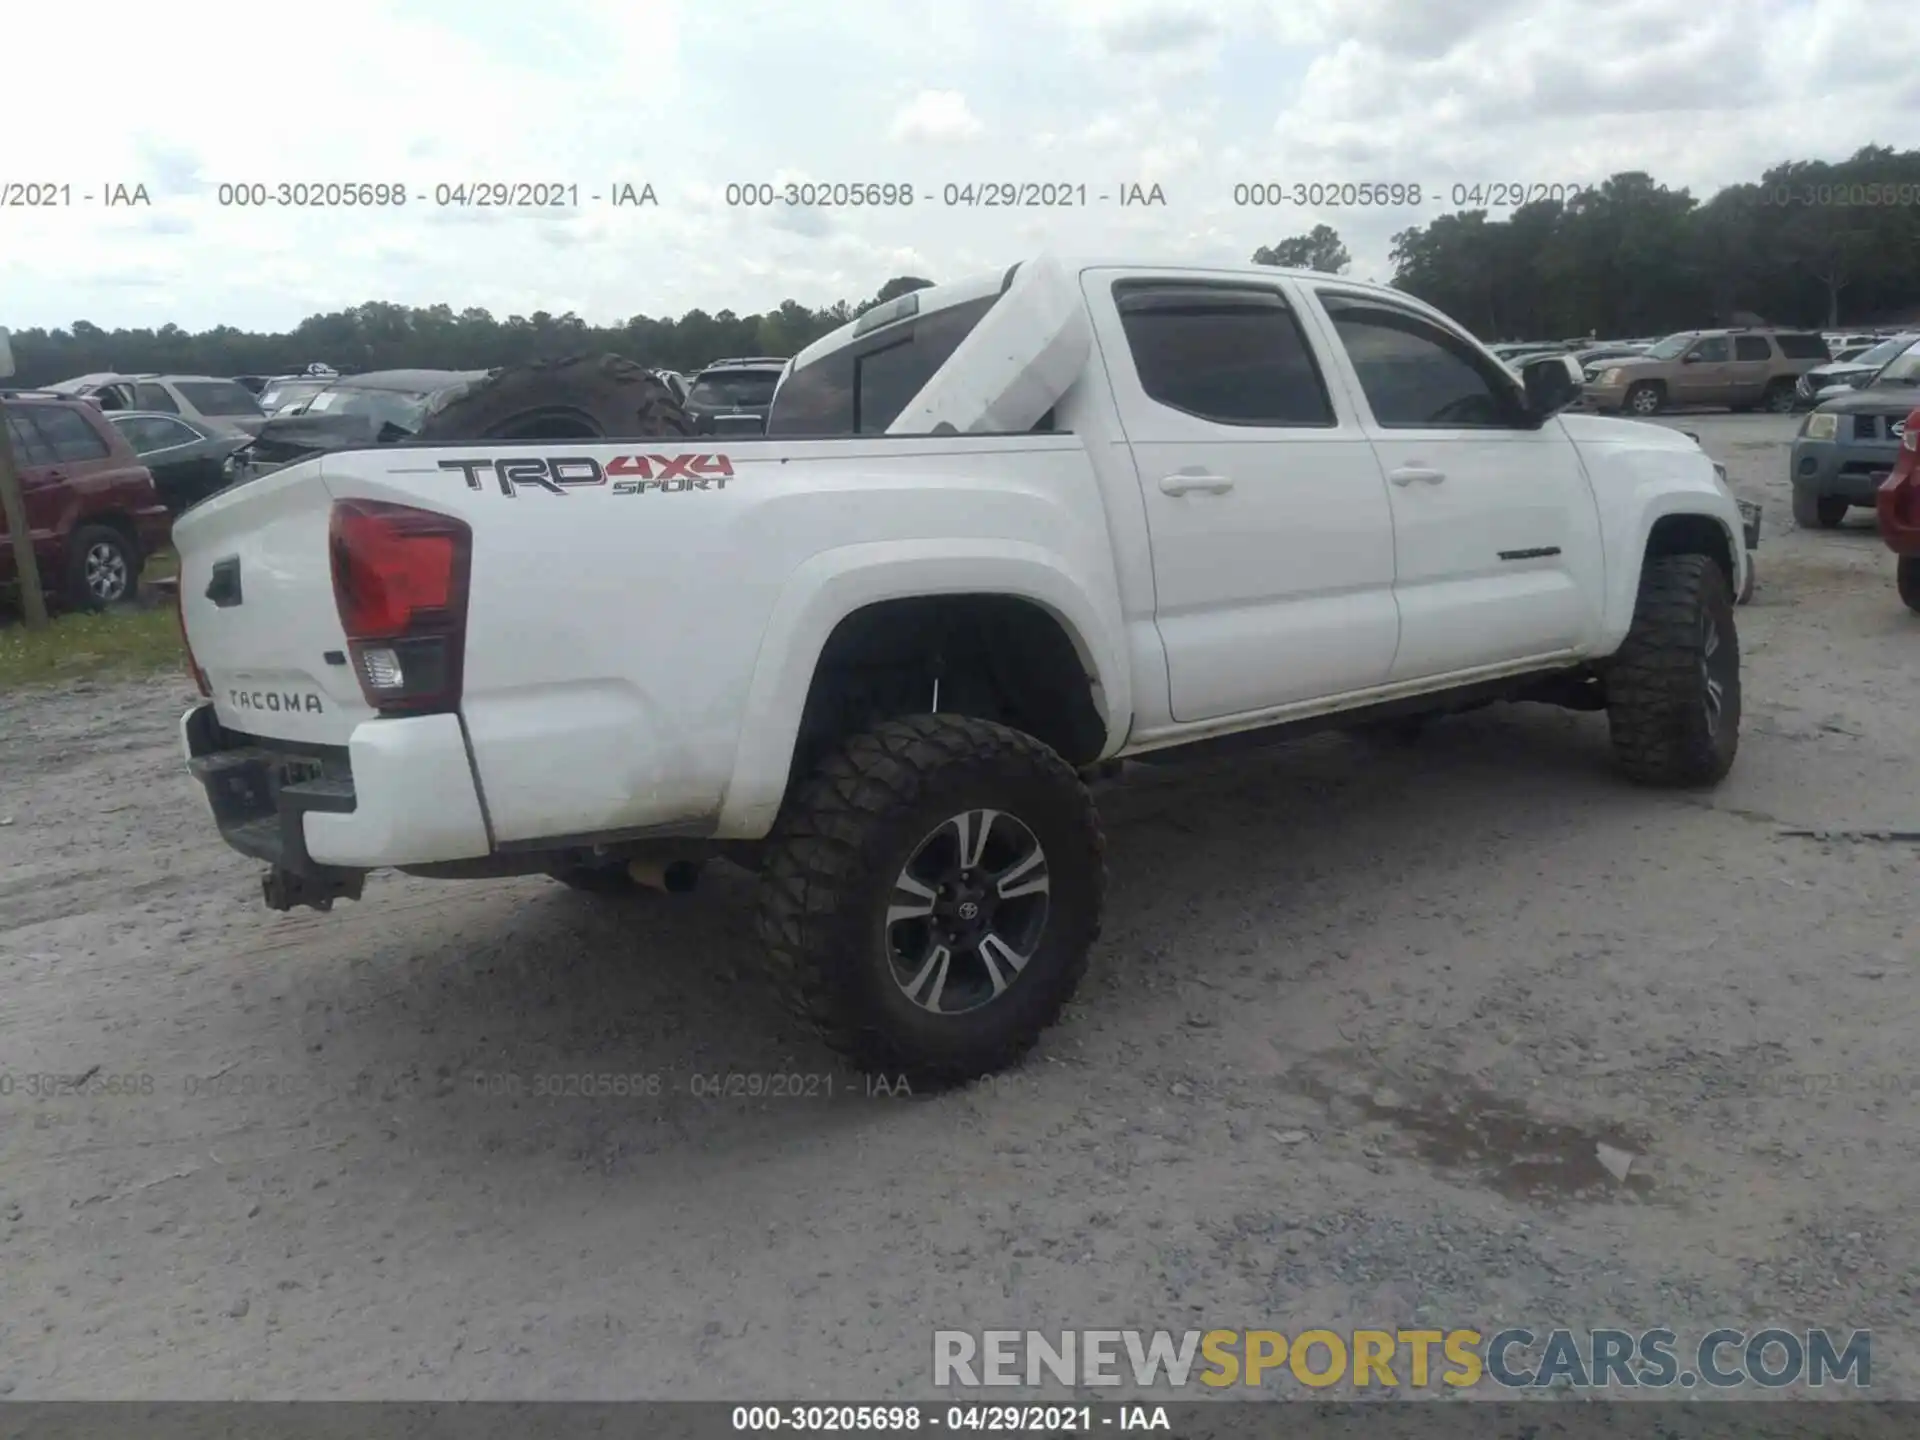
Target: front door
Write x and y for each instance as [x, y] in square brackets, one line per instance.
[1496, 535]
[1704, 375]
[1267, 515]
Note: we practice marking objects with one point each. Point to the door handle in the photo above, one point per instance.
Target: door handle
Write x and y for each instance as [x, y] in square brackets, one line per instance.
[1185, 483]
[1407, 474]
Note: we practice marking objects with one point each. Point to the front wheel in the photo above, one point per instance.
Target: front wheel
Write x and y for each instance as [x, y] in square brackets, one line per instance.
[930, 895]
[1906, 575]
[1645, 399]
[1814, 511]
[1673, 689]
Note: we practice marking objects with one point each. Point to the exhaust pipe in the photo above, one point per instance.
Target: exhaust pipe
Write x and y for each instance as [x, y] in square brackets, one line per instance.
[674, 877]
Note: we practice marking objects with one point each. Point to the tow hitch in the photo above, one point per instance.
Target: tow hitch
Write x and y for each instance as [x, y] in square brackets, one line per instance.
[284, 889]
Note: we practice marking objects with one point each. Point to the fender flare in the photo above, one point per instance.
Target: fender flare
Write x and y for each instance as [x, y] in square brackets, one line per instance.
[835, 583]
[1623, 580]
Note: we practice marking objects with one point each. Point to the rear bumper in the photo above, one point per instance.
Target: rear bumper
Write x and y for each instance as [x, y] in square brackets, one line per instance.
[400, 792]
[154, 526]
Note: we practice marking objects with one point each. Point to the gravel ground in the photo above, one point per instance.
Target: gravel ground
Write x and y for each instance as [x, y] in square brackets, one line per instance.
[1359, 1021]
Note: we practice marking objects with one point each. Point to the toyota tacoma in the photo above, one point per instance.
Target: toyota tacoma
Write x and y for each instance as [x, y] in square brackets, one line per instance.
[998, 535]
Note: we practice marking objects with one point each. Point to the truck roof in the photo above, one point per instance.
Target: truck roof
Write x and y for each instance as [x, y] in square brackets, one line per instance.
[977, 286]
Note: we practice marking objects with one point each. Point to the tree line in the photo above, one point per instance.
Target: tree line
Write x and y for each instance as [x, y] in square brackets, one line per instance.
[1808, 243]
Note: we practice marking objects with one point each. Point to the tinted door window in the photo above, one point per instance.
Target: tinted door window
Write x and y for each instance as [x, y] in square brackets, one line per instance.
[1712, 351]
[149, 433]
[1802, 347]
[1418, 375]
[70, 438]
[148, 396]
[28, 447]
[1231, 354]
[1751, 347]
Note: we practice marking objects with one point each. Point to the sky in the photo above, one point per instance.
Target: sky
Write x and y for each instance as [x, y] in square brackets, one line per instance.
[1194, 96]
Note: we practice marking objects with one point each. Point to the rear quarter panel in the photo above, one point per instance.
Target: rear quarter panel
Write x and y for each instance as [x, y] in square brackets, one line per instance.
[638, 655]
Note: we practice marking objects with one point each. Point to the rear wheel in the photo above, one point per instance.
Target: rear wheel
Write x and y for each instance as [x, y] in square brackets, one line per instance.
[1814, 511]
[929, 897]
[1646, 398]
[1779, 398]
[584, 397]
[1673, 690]
[103, 567]
[1906, 575]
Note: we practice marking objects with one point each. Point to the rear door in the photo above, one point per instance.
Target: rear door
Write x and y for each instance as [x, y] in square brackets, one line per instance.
[39, 488]
[1495, 532]
[1751, 369]
[1704, 374]
[1267, 515]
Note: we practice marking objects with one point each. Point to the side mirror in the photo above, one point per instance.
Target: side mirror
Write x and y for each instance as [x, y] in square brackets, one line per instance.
[1552, 382]
[1692, 357]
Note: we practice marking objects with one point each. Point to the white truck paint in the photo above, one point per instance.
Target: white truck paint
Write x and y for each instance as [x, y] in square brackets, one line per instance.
[638, 656]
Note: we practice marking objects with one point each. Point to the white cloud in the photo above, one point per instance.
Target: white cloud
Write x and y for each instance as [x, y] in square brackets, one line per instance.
[1197, 95]
[937, 115]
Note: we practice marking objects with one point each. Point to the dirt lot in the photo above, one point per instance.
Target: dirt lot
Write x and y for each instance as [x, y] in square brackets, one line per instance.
[1359, 1021]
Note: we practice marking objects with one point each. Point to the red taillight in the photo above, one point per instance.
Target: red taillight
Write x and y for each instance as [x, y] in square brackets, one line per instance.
[400, 583]
[194, 672]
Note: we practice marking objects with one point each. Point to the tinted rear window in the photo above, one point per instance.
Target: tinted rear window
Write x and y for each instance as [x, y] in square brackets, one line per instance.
[28, 447]
[1751, 347]
[66, 434]
[734, 387]
[862, 388]
[218, 397]
[1801, 347]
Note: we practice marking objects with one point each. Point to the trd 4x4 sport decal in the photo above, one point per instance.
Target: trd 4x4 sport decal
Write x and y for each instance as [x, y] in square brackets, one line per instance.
[630, 474]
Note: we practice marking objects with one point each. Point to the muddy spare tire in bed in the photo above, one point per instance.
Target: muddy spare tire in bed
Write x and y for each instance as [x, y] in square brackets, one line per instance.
[584, 397]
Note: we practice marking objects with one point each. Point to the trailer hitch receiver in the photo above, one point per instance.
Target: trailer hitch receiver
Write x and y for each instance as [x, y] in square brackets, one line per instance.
[285, 889]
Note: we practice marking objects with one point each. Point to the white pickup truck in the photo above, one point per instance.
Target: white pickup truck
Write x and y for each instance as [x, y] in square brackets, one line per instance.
[997, 534]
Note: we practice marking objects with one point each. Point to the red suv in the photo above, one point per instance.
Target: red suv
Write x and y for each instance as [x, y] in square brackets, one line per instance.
[91, 505]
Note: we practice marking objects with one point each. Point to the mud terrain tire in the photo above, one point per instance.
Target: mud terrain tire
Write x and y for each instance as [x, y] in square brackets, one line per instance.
[1673, 690]
[835, 877]
[584, 397]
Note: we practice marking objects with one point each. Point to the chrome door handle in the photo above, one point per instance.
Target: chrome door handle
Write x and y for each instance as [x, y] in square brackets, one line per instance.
[1183, 484]
[1407, 474]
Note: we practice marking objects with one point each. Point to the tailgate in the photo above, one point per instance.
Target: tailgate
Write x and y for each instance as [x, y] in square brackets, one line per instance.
[256, 599]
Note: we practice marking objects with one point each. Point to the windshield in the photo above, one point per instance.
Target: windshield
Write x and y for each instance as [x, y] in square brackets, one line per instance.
[734, 387]
[1672, 347]
[218, 397]
[404, 408]
[289, 392]
[1883, 352]
[1903, 369]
